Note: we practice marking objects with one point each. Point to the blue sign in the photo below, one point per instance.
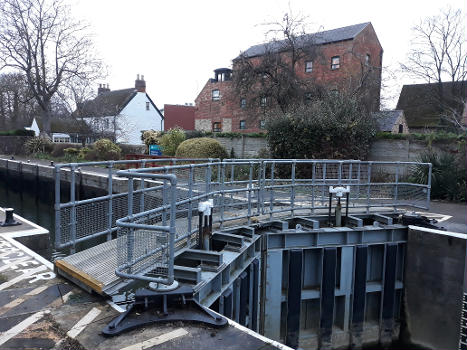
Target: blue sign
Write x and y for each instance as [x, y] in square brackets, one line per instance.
[155, 150]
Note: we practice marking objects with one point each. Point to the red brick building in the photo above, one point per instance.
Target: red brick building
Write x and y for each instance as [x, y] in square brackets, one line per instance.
[182, 116]
[345, 56]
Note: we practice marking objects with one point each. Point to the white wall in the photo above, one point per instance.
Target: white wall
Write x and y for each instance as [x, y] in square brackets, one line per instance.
[135, 118]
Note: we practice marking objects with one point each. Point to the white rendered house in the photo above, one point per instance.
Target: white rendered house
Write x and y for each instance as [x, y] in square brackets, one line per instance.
[123, 114]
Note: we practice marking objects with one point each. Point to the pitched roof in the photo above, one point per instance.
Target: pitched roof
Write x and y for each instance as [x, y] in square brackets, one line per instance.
[108, 103]
[421, 104]
[63, 125]
[320, 38]
[385, 120]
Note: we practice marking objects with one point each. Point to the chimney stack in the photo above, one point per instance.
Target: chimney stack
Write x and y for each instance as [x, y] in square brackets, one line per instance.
[103, 88]
[140, 84]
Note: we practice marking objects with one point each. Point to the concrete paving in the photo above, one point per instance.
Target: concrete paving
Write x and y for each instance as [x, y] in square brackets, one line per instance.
[451, 215]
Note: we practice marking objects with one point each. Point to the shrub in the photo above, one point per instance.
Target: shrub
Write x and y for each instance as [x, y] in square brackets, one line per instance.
[58, 149]
[106, 150]
[38, 145]
[170, 141]
[83, 152]
[335, 127]
[203, 147]
[71, 151]
[132, 149]
[151, 137]
[193, 134]
[448, 175]
[17, 132]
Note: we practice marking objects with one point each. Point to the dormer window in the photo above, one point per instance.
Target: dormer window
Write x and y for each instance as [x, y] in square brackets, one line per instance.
[335, 62]
[147, 106]
[308, 66]
[216, 95]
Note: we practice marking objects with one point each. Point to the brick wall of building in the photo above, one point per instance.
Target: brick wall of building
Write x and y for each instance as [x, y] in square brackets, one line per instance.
[352, 69]
[179, 115]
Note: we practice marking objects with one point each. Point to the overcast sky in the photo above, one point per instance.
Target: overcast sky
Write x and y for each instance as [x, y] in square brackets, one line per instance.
[178, 44]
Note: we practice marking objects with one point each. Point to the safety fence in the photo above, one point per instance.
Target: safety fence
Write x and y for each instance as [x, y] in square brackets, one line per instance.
[156, 216]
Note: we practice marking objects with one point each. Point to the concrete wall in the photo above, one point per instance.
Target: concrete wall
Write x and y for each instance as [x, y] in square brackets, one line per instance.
[244, 147]
[404, 150]
[434, 274]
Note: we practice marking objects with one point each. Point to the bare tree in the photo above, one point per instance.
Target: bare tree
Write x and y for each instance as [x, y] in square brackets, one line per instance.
[16, 101]
[438, 54]
[271, 77]
[40, 39]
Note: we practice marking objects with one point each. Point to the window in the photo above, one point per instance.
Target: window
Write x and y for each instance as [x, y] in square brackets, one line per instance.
[263, 102]
[242, 124]
[367, 59]
[262, 124]
[217, 127]
[401, 128]
[335, 62]
[308, 97]
[216, 95]
[243, 103]
[308, 66]
[106, 123]
[147, 106]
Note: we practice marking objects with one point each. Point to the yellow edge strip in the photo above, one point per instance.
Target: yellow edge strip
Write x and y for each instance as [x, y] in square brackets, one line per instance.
[80, 275]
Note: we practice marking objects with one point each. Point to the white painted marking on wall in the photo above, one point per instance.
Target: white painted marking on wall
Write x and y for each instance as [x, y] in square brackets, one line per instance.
[28, 274]
[14, 331]
[83, 323]
[180, 332]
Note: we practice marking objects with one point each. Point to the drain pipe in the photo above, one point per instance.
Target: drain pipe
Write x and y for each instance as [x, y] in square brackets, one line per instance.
[339, 192]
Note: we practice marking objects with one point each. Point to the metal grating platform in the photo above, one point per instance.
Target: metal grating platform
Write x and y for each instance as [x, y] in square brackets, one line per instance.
[93, 268]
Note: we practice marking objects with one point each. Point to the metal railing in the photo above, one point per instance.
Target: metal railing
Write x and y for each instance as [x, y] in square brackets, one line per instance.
[153, 218]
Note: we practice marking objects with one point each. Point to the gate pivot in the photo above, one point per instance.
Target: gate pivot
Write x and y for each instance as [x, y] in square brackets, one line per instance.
[160, 307]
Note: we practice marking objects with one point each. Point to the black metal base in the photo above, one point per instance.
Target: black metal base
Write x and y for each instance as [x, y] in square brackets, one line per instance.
[419, 220]
[158, 307]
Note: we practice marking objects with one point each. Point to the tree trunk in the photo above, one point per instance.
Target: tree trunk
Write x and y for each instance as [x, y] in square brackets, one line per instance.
[45, 116]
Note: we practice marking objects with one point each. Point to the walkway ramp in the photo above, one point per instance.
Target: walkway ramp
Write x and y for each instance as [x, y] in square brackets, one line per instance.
[92, 269]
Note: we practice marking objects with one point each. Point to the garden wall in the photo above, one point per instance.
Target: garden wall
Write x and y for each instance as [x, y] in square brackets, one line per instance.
[243, 146]
[406, 150]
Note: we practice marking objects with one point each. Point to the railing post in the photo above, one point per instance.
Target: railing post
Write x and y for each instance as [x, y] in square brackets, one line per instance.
[271, 189]
[428, 192]
[57, 207]
[292, 190]
[396, 188]
[358, 180]
[369, 188]
[324, 190]
[190, 203]
[110, 204]
[142, 184]
[173, 201]
[313, 174]
[130, 240]
[250, 188]
[259, 202]
[73, 209]
[339, 174]
[164, 200]
[221, 179]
